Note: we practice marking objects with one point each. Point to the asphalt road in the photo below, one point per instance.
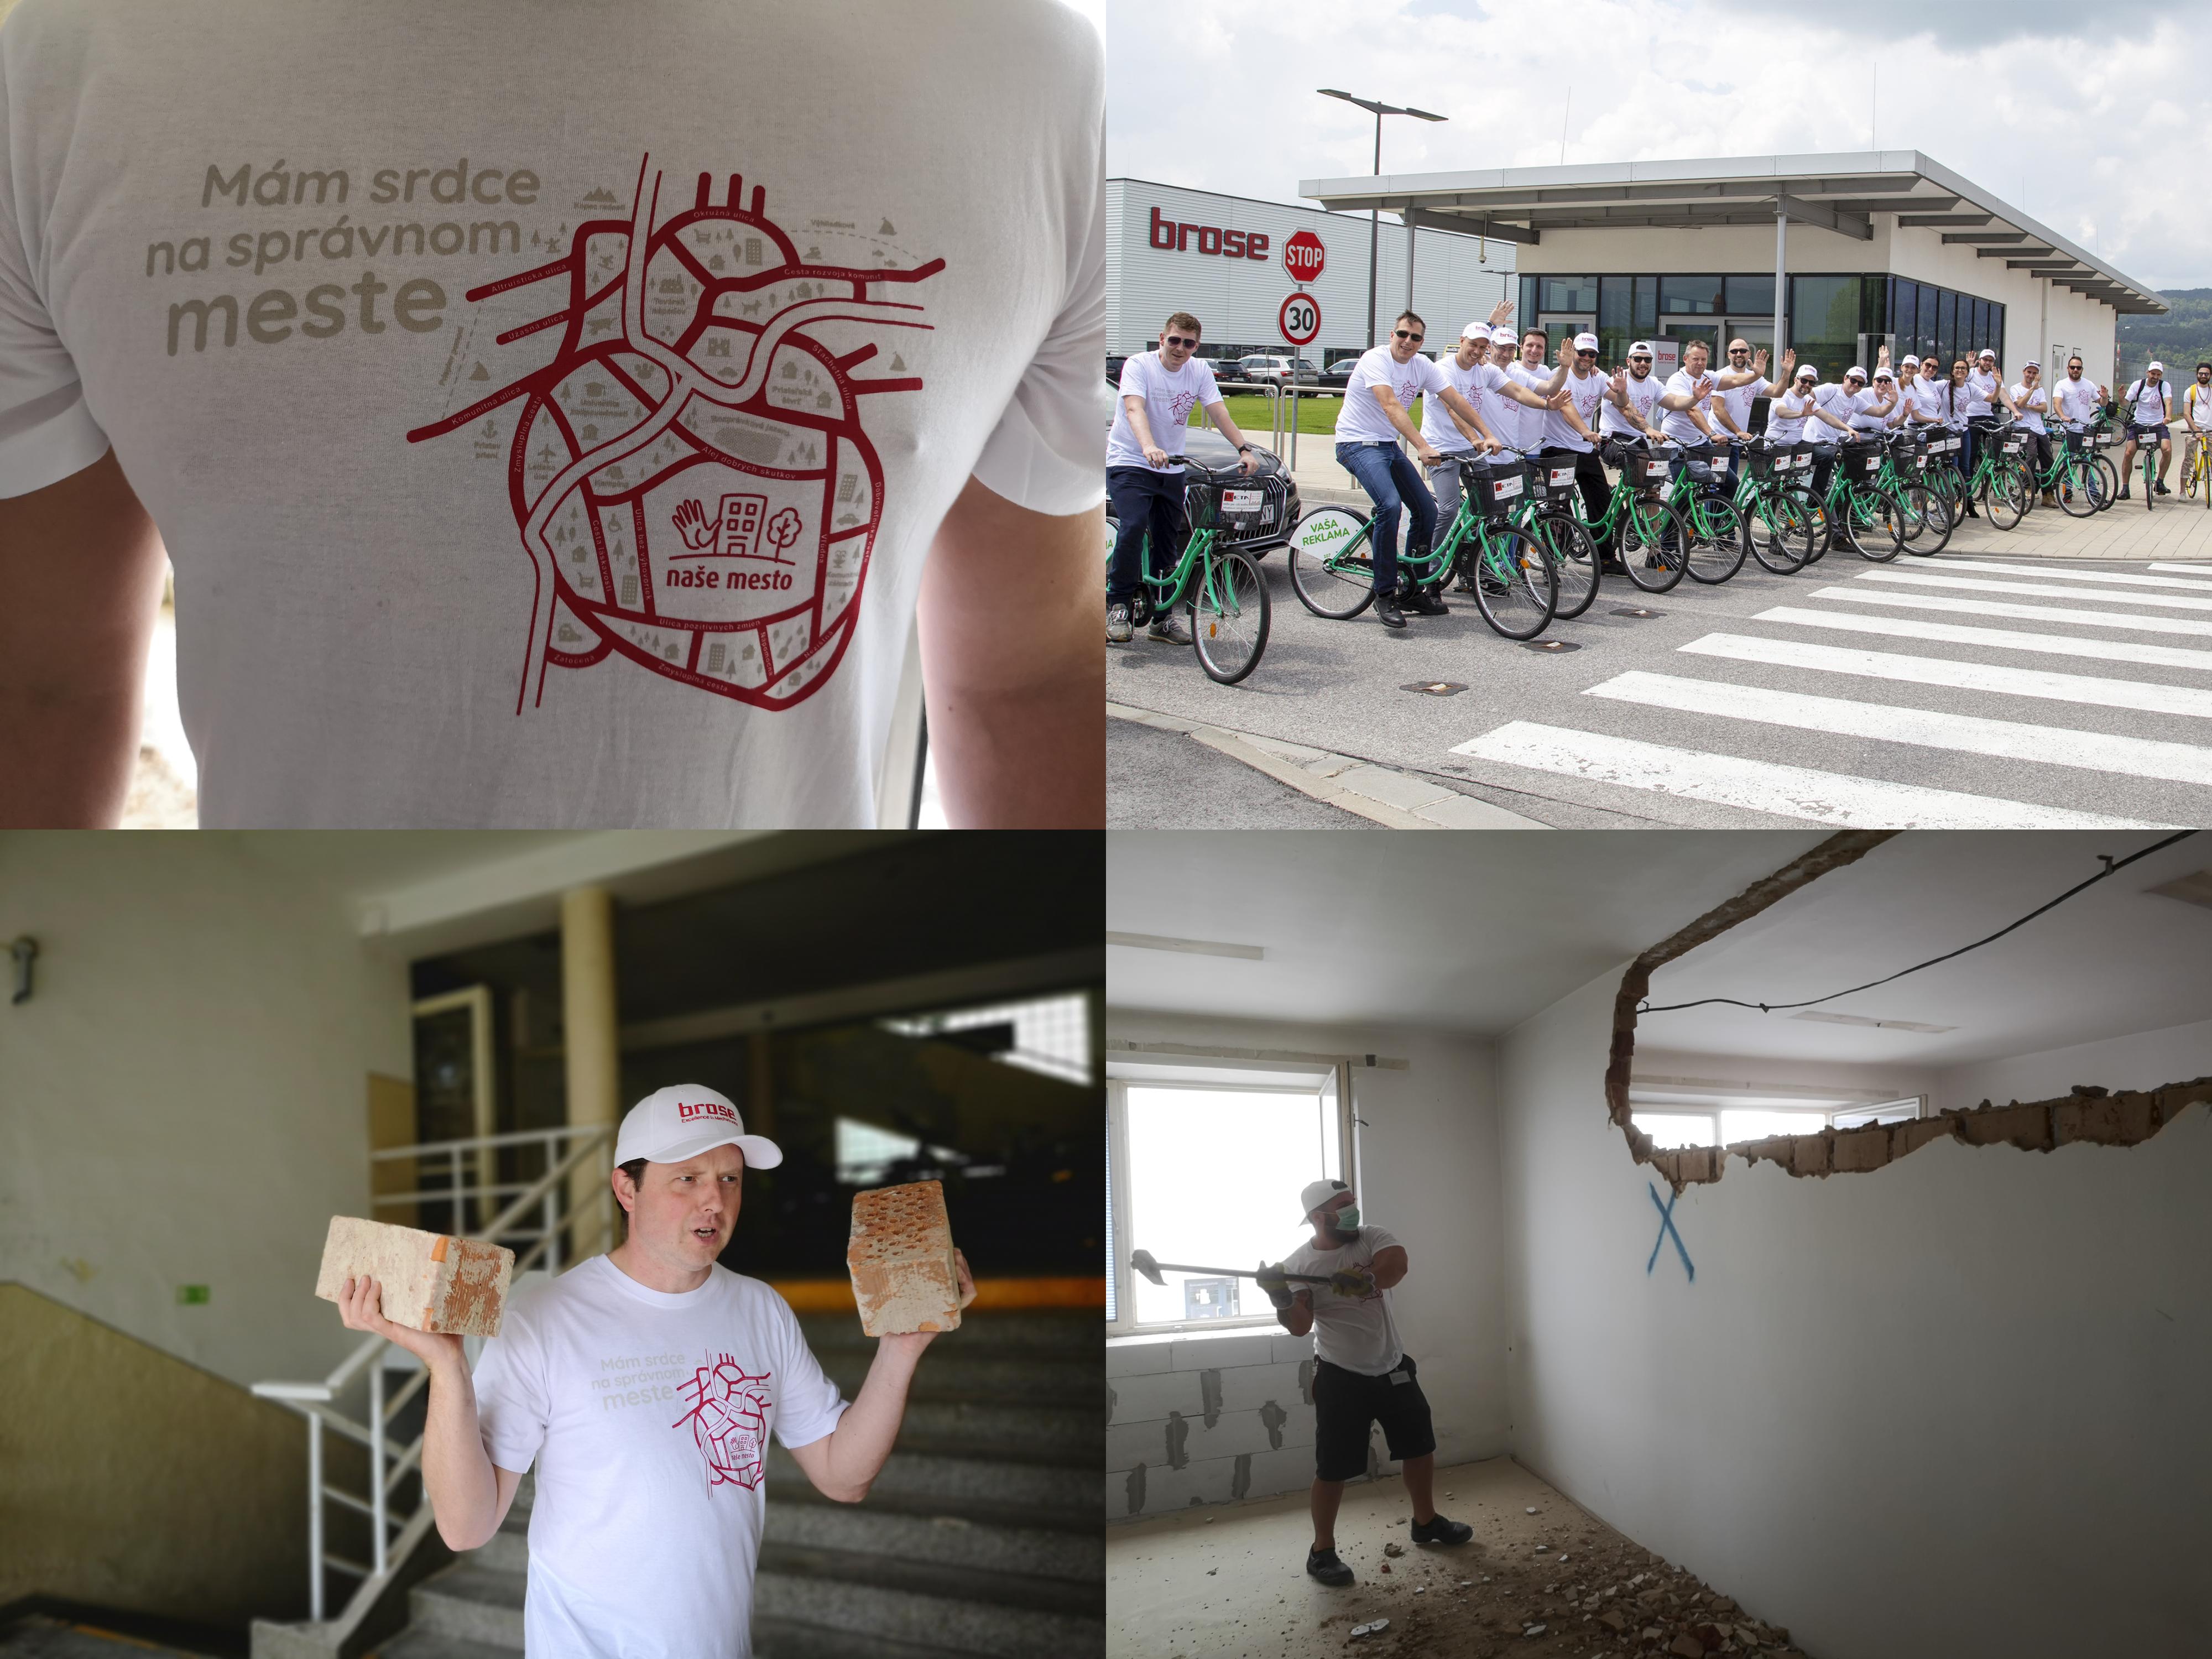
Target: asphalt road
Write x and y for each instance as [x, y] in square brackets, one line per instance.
[1920, 693]
[1163, 780]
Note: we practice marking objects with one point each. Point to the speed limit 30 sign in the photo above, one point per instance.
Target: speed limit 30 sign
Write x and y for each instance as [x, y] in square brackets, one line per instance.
[1300, 317]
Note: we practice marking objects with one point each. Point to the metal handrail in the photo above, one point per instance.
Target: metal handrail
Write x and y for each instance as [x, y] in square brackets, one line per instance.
[389, 1462]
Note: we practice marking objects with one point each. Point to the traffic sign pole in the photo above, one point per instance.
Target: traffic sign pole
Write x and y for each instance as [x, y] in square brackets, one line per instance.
[1300, 316]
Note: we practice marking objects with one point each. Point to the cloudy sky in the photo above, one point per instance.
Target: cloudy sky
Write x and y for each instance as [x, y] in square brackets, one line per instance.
[2082, 114]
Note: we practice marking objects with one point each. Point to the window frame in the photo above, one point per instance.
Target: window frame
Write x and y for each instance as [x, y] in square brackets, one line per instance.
[1317, 1078]
[1710, 1103]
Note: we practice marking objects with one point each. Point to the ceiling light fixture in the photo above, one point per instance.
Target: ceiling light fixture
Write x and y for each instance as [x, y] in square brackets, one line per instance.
[1194, 947]
[1886, 1024]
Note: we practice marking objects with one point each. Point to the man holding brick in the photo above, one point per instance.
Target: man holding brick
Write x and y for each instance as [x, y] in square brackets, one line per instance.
[1362, 1373]
[645, 1384]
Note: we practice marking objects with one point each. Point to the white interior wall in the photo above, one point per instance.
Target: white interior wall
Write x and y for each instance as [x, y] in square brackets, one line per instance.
[185, 1094]
[1427, 1170]
[2178, 1053]
[1887, 1402]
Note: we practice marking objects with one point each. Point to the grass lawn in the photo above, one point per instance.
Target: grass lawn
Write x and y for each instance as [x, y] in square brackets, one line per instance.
[1255, 414]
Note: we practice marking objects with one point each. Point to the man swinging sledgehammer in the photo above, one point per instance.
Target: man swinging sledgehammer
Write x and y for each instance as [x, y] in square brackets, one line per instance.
[1362, 1375]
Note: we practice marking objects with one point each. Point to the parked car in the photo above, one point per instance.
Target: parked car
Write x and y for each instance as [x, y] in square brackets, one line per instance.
[1260, 515]
[1113, 363]
[1337, 376]
[1271, 370]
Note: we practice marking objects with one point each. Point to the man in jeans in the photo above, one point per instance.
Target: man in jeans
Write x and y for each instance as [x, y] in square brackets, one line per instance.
[1362, 1374]
[1144, 481]
[1369, 425]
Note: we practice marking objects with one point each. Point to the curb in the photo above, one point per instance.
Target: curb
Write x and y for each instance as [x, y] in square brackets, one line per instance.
[1380, 794]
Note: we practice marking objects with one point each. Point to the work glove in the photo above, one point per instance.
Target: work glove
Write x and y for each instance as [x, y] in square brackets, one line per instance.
[1352, 1282]
[1273, 1281]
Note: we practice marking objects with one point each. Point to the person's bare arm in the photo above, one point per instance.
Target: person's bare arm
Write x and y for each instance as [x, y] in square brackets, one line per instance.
[1141, 424]
[1390, 1266]
[1466, 419]
[470, 1495]
[1394, 412]
[1297, 1318]
[1015, 712]
[845, 1462]
[83, 564]
[1218, 412]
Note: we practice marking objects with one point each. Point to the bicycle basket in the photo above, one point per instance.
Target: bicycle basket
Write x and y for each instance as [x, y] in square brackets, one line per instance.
[1255, 509]
[1499, 490]
[2015, 442]
[1558, 477]
[1861, 459]
[1647, 467]
[1766, 460]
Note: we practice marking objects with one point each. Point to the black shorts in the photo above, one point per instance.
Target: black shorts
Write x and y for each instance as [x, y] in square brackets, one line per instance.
[1346, 1403]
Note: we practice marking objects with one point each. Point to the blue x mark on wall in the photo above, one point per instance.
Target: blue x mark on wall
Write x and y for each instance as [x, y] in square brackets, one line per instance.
[1666, 1227]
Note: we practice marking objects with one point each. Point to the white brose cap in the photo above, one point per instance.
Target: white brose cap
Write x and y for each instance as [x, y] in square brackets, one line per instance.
[1586, 343]
[1318, 1193]
[1503, 335]
[684, 1120]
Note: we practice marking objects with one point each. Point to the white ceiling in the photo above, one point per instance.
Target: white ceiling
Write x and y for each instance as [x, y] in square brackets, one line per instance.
[1475, 932]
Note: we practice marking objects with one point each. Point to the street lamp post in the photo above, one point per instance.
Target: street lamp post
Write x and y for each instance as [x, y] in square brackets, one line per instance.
[1374, 219]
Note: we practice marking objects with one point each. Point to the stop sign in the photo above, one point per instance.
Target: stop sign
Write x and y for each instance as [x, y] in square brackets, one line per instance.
[1303, 256]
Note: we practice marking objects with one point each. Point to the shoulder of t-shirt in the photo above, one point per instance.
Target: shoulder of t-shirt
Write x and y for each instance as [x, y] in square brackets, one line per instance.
[1381, 1238]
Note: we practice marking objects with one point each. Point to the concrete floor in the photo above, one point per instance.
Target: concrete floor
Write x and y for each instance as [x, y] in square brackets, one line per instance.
[1230, 1581]
[41, 1637]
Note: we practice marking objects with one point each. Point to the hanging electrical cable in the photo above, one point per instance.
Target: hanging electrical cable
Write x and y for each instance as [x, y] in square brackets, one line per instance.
[2112, 866]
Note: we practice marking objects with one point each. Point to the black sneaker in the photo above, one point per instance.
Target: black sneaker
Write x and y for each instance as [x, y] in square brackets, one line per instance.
[1324, 1565]
[1441, 1531]
[2160, 487]
[2124, 492]
[1386, 612]
[1167, 630]
[1422, 602]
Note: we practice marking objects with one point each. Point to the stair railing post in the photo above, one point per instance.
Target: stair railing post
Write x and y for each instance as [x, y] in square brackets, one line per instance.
[315, 1516]
[460, 1224]
[552, 1238]
[376, 1456]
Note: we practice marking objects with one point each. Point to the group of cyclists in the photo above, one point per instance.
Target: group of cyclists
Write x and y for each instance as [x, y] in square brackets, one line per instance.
[1503, 397]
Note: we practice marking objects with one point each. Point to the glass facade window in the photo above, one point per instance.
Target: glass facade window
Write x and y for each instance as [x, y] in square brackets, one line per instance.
[1690, 296]
[1647, 305]
[1565, 294]
[1903, 305]
[1616, 311]
[1750, 296]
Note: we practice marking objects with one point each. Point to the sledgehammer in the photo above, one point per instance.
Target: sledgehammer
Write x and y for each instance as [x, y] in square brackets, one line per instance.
[1142, 1262]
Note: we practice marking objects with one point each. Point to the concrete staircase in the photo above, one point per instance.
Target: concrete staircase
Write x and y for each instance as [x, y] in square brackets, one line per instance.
[983, 1536]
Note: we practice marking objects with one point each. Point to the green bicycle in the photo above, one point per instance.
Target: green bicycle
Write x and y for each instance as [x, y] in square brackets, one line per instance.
[1515, 584]
[1549, 517]
[2148, 453]
[1774, 507]
[1219, 588]
[2000, 480]
[1857, 508]
[2084, 481]
[1904, 474]
[1645, 532]
[1715, 530]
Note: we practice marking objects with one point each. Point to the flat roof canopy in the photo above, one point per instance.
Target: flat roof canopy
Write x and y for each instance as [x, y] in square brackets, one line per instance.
[1841, 193]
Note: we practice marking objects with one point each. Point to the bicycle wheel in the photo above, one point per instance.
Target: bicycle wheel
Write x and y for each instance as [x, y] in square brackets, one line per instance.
[1332, 567]
[1927, 520]
[2077, 486]
[2108, 481]
[1652, 538]
[1777, 532]
[1573, 552]
[1716, 541]
[2003, 497]
[2151, 476]
[1874, 522]
[1228, 617]
[1516, 587]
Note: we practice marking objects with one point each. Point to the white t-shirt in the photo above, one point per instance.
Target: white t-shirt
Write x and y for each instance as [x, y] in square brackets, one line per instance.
[1360, 1335]
[1925, 398]
[1954, 403]
[2149, 401]
[1832, 396]
[647, 1415]
[1786, 417]
[1678, 425]
[1643, 397]
[2078, 400]
[1739, 400]
[1524, 426]
[1360, 419]
[1586, 392]
[2196, 403]
[1863, 417]
[1478, 385]
[475, 518]
[1169, 399]
[2031, 406]
[1981, 392]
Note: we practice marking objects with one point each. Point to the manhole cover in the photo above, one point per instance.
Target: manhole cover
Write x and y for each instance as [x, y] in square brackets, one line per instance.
[1434, 688]
[1637, 611]
[1550, 646]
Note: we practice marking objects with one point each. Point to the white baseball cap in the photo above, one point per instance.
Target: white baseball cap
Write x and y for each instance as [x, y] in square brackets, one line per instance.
[684, 1120]
[1476, 332]
[1986, 352]
[1805, 369]
[1501, 335]
[1639, 347]
[1854, 369]
[1883, 375]
[1318, 1193]
[2031, 363]
[1909, 362]
[2160, 367]
[1586, 343]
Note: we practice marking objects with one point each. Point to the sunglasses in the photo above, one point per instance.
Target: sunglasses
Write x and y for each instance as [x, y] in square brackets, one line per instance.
[1177, 340]
[1739, 351]
[1592, 355]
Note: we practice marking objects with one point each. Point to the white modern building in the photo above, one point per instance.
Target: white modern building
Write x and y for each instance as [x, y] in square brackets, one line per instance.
[1854, 249]
[1220, 258]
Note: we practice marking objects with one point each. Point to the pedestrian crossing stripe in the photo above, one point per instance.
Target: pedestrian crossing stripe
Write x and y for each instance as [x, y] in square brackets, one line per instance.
[2089, 688]
[2114, 577]
[1793, 792]
[2049, 745]
[1995, 639]
[2044, 613]
[1981, 583]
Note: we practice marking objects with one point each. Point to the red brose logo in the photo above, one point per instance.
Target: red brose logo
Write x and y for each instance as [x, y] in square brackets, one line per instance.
[705, 1109]
[1169, 237]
